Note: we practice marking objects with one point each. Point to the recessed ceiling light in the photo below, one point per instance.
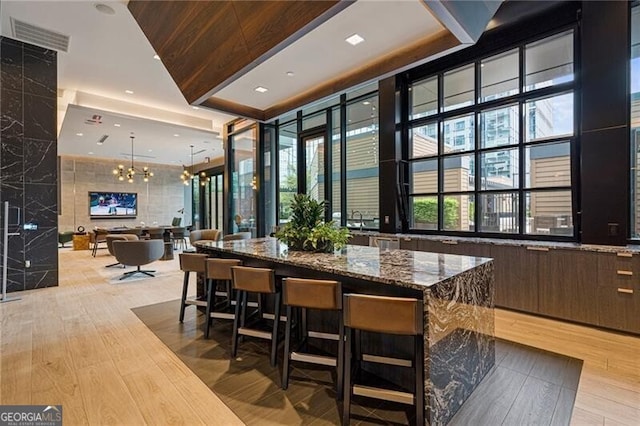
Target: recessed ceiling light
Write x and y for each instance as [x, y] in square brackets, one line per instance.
[90, 152]
[176, 135]
[116, 125]
[78, 134]
[156, 57]
[129, 92]
[261, 89]
[103, 8]
[366, 103]
[99, 143]
[354, 39]
[195, 107]
[290, 73]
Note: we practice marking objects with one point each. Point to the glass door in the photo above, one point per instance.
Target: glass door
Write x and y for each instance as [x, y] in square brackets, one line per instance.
[215, 202]
[314, 155]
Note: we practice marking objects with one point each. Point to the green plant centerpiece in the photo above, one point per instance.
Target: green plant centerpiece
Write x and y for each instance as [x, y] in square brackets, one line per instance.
[307, 230]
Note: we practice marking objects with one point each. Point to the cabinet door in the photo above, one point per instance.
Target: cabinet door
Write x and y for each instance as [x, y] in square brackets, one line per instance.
[467, 249]
[430, 245]
[359, 240]
[619, 291]
[568, 285]
[619, 308]
[516, 277]
[407, 243]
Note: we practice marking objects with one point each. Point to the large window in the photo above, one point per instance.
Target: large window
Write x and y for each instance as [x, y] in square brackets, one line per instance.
[490, 143]
[243, 182]
[635, 122]
[287, 170]
[362, 164]
[335, 148]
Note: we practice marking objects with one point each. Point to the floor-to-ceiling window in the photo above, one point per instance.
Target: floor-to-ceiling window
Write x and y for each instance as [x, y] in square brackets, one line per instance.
[243, 181]
[343, 171]
[490, 143]
[635, 122]
[362, 163]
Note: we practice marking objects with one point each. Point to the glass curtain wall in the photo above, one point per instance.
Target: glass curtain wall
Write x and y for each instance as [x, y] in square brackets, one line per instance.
[362, 164]
[351, 122]
[243, 182]
[635, 122]
[287, 169]
[490, 143]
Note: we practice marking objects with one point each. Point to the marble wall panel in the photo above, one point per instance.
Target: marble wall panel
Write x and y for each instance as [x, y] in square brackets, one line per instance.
[40, 115]
[42, 165]
[11, 65]
[28, 168]
[40, 71]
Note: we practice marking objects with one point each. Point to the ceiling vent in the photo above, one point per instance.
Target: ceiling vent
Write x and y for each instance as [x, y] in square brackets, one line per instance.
[94, 120]
[102, 139]
[199, 152]
[39, 36]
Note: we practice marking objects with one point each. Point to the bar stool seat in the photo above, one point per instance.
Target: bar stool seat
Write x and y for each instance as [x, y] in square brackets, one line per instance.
[261, 281]
[218, 272]
[387, 315]
[191, 262]
[303, 294]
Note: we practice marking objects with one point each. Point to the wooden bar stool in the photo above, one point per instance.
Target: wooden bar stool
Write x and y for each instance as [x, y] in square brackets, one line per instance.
[191, 262]
[218, 272]
[303, 294]
[261, 281]
[389, 315]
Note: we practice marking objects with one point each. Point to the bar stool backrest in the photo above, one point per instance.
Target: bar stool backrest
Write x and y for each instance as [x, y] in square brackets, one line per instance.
[381, 314]
[193, 262]
[220, 269]
[258, 280]
[313, 294]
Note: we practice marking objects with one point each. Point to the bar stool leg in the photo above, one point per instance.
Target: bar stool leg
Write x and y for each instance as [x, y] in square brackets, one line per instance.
[419, 367]
[185, 286]
[236, 324]
[274, 333]
[346, 406]
[210, 300]
[287, 345]
[340, 360]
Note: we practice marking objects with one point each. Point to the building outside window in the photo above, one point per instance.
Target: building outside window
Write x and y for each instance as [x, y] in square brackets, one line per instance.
[482, 173]
[635, 122]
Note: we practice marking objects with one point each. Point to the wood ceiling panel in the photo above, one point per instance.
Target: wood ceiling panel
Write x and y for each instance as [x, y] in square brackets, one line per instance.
[205, 45]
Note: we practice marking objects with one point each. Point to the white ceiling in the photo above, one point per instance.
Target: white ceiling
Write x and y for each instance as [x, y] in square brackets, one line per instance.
[323, 53]
[155, 141]
[109, 54]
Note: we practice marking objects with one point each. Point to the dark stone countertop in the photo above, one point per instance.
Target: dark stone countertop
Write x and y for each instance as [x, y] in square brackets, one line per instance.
[508, 242]
[412, 269]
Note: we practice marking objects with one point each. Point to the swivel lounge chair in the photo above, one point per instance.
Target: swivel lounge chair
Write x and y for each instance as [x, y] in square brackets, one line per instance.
[204, 235]
[237, 236]
[118, 237]
[138, 253]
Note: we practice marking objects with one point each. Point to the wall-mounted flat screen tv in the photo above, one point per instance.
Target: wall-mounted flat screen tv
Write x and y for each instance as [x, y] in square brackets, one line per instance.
[109, 205]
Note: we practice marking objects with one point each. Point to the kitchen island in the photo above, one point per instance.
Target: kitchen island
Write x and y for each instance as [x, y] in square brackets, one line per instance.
[457, 293]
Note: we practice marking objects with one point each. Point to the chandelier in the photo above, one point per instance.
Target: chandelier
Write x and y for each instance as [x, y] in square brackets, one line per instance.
[186, 176]
[121, 173]
[188, 173]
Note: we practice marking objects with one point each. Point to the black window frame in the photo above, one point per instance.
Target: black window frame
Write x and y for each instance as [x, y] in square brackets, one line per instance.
[476, 109]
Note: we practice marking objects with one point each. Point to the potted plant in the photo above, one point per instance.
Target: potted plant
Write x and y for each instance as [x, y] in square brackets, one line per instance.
[306, 229]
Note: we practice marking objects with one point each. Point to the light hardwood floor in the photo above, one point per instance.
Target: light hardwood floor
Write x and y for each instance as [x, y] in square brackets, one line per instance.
[80, 345]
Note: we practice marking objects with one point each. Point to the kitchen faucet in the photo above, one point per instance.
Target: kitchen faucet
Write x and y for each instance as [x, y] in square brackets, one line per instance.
[353, 212]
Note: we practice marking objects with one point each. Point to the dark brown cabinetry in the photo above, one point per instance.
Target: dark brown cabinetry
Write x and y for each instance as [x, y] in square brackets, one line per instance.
[618, 291]
[568, 285]
[516, 277]
[585, 286]
[359, 240]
